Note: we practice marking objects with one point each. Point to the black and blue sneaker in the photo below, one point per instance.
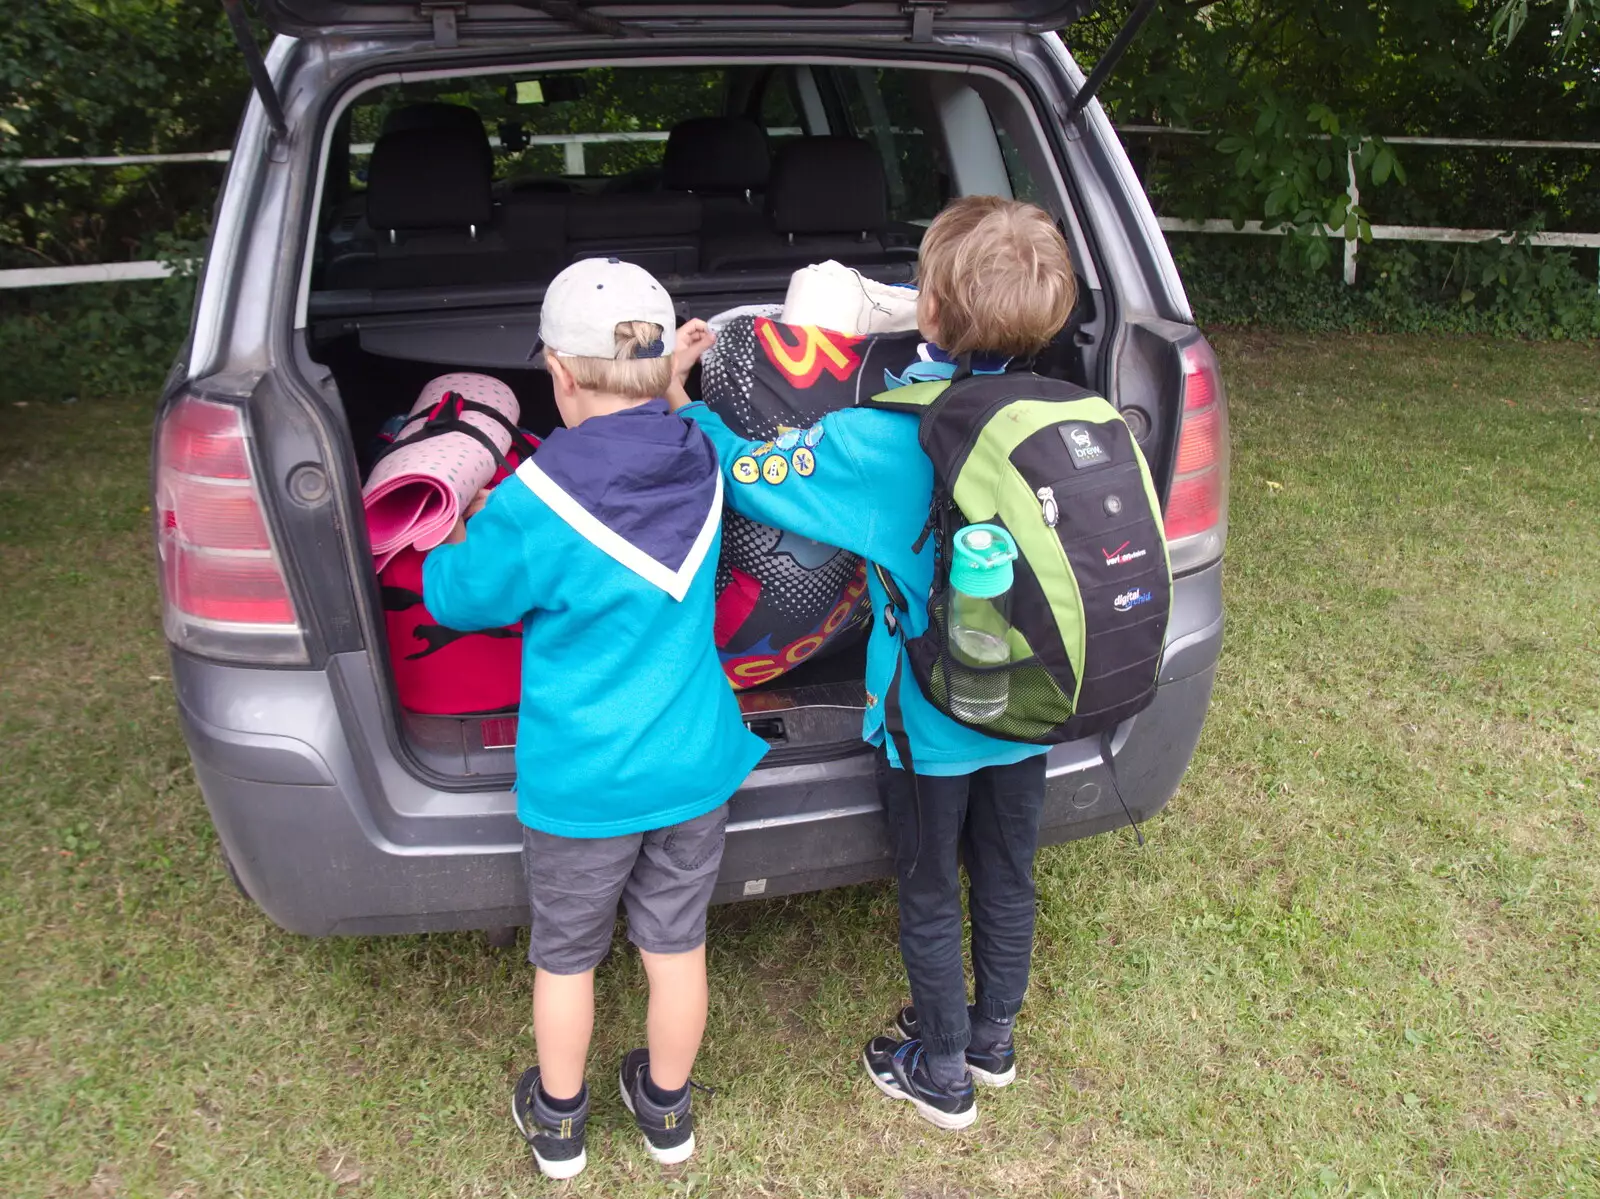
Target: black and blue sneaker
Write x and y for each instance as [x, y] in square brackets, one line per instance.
[554, 1136]
[993, 1066]
[668, 1129]
[900, 1070]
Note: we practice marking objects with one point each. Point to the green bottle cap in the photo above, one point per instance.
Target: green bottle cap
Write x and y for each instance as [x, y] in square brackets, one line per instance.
[981, 565]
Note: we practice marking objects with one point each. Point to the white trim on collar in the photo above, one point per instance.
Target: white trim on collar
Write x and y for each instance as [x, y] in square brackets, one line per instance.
[611, 543]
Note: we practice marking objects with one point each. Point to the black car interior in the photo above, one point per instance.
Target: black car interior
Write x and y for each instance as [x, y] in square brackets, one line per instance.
[434, 257]
[428, 262]
[432, 215]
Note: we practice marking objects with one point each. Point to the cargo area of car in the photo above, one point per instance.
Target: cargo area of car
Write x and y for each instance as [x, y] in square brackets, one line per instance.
[448, 204]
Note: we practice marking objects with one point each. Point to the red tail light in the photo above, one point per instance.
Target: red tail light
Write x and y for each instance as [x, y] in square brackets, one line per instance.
[222, 582]
[1197, 504]
[1194, 505]
[204, 439]
[1197, 446]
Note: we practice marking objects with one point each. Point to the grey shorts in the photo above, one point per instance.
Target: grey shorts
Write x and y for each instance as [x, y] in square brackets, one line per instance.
[664, 877]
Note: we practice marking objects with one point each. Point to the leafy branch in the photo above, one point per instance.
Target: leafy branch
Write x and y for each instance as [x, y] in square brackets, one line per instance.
[1512, 15]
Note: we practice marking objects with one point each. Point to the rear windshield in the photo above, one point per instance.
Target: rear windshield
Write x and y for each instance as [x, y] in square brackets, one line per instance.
[507, 177]
[601, 123]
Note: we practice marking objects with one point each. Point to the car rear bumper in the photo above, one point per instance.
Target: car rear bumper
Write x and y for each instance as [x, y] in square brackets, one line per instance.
[329, 833]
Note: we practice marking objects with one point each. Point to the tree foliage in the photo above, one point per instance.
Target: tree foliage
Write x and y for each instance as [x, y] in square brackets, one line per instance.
[1291, 93]
[1576, 16]
[112, 77]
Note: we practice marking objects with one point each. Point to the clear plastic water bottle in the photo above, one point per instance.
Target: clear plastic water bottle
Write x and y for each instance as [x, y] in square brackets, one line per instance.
[980, 622]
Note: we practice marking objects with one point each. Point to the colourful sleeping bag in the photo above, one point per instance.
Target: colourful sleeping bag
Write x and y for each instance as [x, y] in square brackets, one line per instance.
[782, 599]
[460, 429]
[441, 671]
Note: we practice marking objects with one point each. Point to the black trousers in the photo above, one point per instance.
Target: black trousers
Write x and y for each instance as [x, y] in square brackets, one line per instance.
[991, 819]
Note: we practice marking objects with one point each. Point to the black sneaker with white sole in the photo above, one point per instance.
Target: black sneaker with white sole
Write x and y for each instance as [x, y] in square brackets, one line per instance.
[668, 1131]
[995, 1067]
[900, 1070]
[555, 1137]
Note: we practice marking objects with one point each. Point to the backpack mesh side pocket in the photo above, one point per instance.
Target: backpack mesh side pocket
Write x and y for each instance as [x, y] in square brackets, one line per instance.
[1017, 701]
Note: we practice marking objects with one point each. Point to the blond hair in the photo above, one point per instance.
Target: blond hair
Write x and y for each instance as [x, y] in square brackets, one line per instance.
[624, 374]
[999, 276]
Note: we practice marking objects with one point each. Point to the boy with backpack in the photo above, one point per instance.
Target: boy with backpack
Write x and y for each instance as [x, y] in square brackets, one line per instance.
[981, 495]
[604, 546]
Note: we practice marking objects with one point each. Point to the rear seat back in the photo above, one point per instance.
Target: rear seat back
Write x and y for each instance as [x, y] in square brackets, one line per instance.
[430, 216]
[432, 220]
[430, 180]
[726, 162]
[827, 198]
[823, 186]
[659, 231]
[436, 115]
[717, 156]
[712, 168]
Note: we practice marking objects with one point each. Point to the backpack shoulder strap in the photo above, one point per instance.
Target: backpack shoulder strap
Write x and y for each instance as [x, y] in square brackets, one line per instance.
[963, 428]
[916, 399]
[894, 719]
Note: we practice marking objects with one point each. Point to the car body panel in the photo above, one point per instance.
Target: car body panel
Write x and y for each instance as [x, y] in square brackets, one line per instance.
[305, 18]
[328, 834]
[328, 821]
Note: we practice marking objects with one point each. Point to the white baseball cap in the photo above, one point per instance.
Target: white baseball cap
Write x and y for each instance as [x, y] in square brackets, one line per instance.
[585, 303]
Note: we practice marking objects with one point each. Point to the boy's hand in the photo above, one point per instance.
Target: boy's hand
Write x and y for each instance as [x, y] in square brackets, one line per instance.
[459, 533]
[694, 339]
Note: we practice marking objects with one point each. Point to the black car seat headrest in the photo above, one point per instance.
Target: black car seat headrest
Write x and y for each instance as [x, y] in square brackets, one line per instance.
[717, 156]
[434, 115]
[434, 178]
[828, 185]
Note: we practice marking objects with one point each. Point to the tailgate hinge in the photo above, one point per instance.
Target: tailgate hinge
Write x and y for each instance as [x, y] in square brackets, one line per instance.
[1108, 60]
[922, 13]
[260, 80]
[446, 36]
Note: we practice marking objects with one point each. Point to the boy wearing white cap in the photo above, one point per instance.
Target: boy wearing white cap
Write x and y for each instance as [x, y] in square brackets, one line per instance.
[604, 545]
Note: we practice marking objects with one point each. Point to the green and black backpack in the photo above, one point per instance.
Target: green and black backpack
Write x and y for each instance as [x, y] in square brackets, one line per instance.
[1056, 467]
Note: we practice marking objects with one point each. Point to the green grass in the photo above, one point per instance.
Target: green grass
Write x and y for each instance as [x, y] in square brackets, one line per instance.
[1360, 955]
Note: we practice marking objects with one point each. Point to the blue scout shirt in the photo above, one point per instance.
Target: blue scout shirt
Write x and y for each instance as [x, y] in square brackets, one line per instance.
[858, 479]
[604, 545]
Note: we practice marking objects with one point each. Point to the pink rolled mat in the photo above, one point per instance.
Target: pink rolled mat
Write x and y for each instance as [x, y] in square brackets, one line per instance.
[414, 495]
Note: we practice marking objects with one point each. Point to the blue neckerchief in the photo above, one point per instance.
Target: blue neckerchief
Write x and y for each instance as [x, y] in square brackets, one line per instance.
[933, 364]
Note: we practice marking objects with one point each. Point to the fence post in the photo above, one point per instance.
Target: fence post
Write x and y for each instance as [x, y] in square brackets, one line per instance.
[1350, 243]
[574, 164]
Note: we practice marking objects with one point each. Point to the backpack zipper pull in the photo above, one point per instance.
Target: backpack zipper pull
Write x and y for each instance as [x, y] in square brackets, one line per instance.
[1047, 505]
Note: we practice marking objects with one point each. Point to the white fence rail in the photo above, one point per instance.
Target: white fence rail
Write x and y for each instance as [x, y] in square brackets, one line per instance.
[1434, 233]
[572, 142]
[96, 272]
[1489, 143]
[125, 160]
[574, 162]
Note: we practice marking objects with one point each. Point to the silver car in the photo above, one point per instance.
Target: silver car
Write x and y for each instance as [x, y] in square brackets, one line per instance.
[406, 179]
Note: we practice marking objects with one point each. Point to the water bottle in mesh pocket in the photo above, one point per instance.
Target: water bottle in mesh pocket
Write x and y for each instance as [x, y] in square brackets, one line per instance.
[1055, 470]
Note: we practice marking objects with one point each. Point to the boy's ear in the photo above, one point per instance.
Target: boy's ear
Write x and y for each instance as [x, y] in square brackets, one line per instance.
[927, 314]
[560, 376]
